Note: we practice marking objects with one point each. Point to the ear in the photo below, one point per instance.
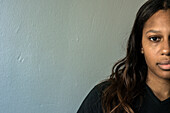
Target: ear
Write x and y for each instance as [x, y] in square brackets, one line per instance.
[142, 50]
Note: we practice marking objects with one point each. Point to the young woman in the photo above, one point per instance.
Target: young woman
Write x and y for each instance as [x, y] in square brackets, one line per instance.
[140, 82]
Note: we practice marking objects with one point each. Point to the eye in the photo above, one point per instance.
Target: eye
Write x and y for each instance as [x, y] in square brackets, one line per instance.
[155, 39]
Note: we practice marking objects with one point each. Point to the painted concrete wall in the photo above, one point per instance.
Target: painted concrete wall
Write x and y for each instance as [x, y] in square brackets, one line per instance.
[52, 52]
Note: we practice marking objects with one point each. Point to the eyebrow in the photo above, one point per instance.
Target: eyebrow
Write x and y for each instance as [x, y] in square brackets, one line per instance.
[152, 31]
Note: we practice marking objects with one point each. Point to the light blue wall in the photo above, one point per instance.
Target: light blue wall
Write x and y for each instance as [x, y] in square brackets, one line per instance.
[52, 52]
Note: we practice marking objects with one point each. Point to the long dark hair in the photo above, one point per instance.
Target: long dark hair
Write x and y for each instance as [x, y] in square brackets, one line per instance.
[129, 74]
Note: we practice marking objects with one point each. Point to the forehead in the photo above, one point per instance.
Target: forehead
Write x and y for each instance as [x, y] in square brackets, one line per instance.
[159, 19]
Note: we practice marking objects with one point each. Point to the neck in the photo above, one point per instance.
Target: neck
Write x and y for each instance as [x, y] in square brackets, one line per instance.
[159, 86]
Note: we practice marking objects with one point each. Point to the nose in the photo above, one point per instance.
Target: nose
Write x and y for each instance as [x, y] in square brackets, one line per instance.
[166, 48]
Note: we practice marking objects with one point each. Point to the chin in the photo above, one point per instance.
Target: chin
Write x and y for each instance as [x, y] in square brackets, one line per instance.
[165, 75]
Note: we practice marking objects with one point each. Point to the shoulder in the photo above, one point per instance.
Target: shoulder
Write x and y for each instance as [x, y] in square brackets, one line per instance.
[99, 88]
[92, 102]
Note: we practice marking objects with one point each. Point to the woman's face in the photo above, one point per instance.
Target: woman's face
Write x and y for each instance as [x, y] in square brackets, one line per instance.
[156, 44]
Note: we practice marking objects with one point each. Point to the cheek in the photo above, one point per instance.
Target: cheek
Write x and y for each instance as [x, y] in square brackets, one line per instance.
[151, 59]
[149, 48]
[151, 51]
[150, 54]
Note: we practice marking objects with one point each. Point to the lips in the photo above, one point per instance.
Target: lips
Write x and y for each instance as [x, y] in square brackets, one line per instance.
[164, 65]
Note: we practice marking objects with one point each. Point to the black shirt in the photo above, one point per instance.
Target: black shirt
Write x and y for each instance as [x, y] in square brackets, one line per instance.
[151, 104]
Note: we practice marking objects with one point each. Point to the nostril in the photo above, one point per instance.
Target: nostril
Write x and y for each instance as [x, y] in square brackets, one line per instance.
[167, 54]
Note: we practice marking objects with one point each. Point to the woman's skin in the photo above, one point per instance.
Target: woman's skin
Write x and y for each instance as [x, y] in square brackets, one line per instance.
[156, 50]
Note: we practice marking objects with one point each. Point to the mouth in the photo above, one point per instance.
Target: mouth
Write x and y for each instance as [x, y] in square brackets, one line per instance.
[164, 65]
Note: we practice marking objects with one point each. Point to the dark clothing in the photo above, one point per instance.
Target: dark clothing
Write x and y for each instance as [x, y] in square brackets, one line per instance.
[151, 104]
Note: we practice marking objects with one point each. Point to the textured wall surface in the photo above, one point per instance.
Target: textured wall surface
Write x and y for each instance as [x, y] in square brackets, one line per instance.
[52, 52]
